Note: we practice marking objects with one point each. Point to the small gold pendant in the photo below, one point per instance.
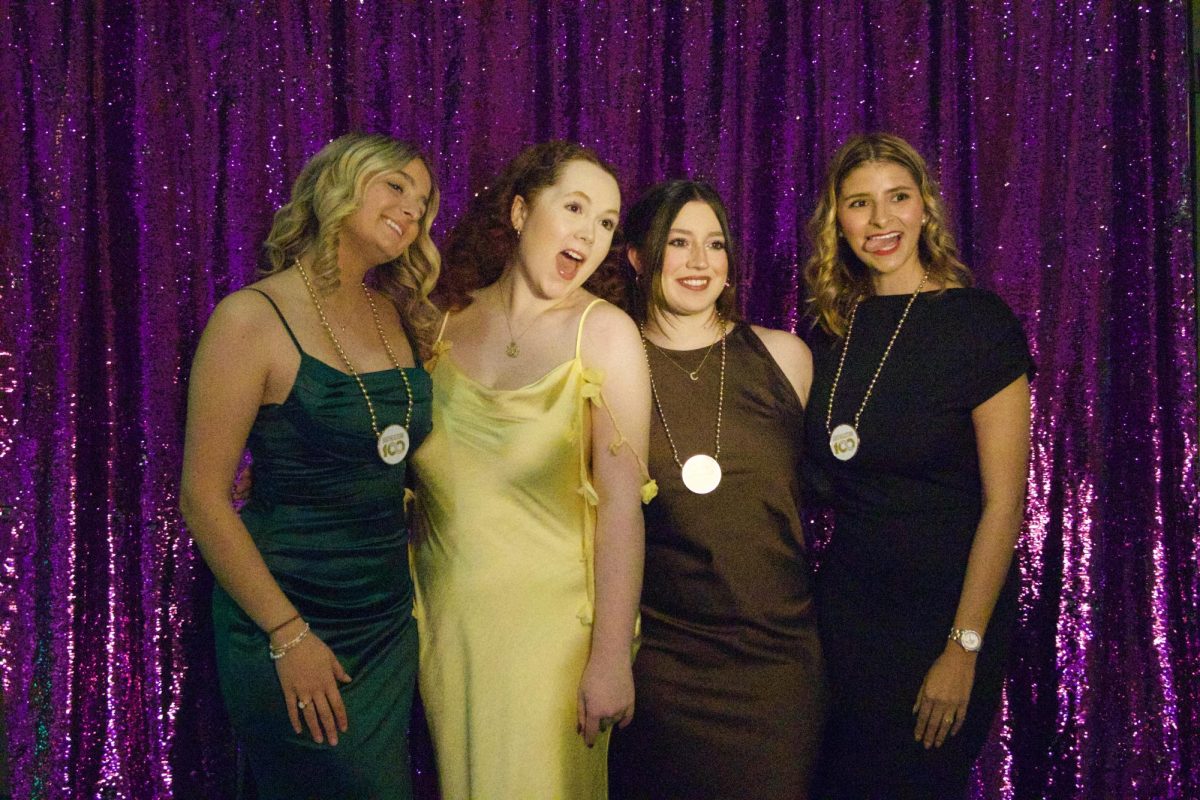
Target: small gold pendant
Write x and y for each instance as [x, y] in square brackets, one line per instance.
[693, 376]
[512, 351]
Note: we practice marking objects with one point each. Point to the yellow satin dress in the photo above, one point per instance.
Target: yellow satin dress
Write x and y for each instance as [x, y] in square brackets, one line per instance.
[504, 582]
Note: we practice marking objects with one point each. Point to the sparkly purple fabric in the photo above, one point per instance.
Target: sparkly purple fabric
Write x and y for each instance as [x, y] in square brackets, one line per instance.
[144, 146]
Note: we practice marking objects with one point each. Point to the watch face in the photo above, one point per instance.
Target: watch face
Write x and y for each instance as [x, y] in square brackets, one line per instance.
[970, 641]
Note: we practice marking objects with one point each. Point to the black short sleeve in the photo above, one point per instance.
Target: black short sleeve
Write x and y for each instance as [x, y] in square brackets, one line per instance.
[996, 349]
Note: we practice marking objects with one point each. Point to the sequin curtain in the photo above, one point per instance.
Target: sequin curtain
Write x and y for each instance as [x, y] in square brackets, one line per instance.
[144, 145]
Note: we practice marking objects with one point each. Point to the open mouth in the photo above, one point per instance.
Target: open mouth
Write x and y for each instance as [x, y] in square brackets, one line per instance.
[882, 244]
[695, 284]
[568, 263]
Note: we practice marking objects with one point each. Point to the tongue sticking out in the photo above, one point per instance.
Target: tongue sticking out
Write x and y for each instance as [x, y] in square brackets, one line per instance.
[568, 267]
[882, 244]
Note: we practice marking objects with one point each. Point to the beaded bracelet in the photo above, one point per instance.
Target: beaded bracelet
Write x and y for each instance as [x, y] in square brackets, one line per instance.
[281, 651]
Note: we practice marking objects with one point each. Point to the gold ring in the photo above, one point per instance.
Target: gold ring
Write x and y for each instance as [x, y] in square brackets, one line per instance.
[948, 719]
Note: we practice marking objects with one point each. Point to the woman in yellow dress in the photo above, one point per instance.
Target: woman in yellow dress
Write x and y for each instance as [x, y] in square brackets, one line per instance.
[529, 572]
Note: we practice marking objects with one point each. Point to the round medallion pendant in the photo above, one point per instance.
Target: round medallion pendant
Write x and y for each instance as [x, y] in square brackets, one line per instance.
[843, 442]
[393, 444]
[701, 474]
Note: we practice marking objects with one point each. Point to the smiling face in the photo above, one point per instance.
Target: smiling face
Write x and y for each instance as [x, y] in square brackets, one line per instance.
[566, 231]
[880, 214]
[695, 261]
[388, 218]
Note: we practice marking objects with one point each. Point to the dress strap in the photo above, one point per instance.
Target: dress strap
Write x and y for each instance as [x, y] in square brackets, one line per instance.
[442, 329]
[582, 317]
[286, 327]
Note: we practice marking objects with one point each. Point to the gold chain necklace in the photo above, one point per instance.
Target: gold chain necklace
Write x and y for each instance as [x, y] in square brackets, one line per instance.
[701, 474]
[694, 374]
[513, 350]
[393, 442]
[844, 439]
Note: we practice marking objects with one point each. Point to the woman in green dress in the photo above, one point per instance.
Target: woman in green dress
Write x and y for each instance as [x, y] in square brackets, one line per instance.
[318, 374]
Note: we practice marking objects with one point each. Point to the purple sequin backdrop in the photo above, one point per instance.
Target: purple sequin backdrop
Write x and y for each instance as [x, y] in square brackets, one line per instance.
[144, 146]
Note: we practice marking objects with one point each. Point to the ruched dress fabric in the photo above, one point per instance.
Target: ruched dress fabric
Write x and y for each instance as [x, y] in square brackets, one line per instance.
[729, 678]
[504, 584]
[327, 514]
[906, 509]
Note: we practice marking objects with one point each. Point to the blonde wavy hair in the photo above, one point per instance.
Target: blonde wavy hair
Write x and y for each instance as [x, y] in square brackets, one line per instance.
[836, 278]
[328, 190]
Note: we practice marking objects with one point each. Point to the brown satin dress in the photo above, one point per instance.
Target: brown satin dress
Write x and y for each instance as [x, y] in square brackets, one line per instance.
[729, 678]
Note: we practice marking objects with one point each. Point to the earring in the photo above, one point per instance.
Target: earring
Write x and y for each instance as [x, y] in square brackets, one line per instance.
[518, 230]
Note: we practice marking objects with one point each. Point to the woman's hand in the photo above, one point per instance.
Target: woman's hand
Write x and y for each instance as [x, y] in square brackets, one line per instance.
[942, 700]
[309, 673]
[605, 697]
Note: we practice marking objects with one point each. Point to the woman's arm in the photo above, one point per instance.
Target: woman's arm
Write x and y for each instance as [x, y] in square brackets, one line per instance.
[792, 356]
[228, 378]
[1002, 436]
[612, 344]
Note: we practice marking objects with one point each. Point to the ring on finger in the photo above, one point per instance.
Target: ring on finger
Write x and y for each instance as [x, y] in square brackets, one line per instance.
[949, 718]
[301, 704]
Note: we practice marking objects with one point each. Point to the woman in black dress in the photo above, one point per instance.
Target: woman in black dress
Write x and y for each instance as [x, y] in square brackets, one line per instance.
[920, 419]
[729, 687]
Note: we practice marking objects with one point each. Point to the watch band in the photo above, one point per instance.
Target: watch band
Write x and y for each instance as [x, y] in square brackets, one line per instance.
[967, 639]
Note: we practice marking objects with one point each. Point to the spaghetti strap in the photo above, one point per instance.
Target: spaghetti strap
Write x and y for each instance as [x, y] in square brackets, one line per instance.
[582, 317]
[442, 329]
[286, 327]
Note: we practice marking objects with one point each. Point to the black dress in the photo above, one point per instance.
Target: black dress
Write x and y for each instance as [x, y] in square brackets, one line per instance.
[729, 679]
[906, 510]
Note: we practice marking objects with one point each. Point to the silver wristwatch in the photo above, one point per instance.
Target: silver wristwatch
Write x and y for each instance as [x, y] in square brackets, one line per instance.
[967, 639]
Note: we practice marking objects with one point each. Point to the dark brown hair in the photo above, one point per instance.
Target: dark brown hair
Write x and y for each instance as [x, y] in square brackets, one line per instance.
[647, 228]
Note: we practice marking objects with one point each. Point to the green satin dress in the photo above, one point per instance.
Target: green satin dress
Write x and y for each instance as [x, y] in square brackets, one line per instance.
[327, 515]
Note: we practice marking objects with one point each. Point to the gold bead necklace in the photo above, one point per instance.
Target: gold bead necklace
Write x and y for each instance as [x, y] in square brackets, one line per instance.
[393, 442]
[700, 473]
[844, 439]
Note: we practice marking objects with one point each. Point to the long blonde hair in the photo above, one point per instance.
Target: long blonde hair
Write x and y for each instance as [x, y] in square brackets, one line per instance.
[836, 278]
[329, 189]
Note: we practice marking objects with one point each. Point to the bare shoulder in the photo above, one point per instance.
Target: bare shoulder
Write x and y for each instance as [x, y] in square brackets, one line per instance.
[792, 355]
[244, 311]
[608, 328]
[244, 327]
[784, 346]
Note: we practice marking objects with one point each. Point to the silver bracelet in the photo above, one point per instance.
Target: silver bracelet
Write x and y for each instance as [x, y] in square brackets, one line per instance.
[281, 651]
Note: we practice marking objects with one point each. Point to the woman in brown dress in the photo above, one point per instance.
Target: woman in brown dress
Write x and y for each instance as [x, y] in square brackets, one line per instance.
[729, 681]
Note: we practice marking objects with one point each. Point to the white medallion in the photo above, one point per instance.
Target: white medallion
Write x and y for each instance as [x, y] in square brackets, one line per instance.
[393, 444]
[843, 442]
[701, 474]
